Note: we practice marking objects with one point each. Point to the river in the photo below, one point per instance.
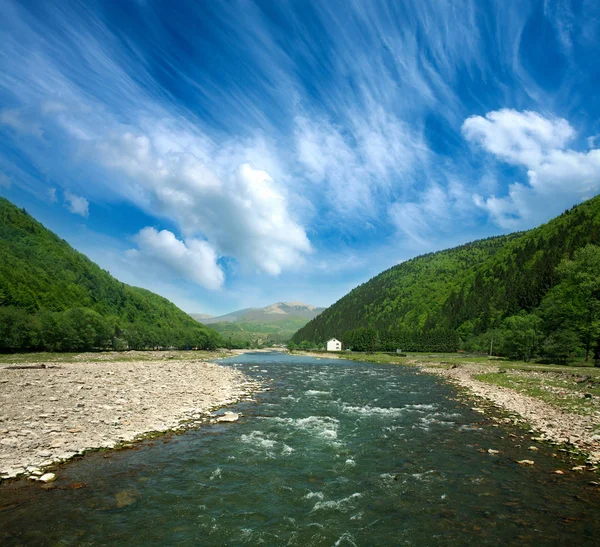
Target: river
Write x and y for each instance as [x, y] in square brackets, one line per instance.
[335, 453]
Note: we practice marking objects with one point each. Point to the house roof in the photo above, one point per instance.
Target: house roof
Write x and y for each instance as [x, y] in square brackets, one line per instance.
[333, 340]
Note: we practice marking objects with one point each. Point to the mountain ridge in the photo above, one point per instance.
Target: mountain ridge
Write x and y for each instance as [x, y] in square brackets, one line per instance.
[53, 297]
[457, 294]
[274, 323]
[271, 312]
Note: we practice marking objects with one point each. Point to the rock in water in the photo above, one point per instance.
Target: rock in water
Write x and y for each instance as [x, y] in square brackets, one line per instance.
[525, 462]
[48, 477]
[125, 498]
[229, 417]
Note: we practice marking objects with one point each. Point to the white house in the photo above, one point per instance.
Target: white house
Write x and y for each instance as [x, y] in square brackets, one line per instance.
[334, 345]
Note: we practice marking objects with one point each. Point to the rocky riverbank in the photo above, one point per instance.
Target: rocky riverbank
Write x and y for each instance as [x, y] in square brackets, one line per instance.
[52, 412]
[552, 423]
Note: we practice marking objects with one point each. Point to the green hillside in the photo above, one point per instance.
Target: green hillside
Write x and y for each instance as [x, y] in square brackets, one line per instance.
[258, 332]
[54, 298]
[443, 300]
[253, 327]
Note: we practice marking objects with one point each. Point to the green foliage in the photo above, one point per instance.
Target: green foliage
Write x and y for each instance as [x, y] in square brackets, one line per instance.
[257, 333]
[521, 336]
[463, 297]
[574, 304]
[54, 298]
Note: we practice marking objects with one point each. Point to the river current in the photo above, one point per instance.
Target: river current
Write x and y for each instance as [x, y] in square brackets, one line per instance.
[335, 453]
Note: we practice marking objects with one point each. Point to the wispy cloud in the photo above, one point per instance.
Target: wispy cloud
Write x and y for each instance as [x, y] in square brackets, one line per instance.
[78, 205]
[5, 181]
[260, 136]
[14, 119]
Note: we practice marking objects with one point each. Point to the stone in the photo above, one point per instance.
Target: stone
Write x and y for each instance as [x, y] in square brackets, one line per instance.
[48, 477]
[125, 498]
[45, 453]
[525, 462]
[579, 468]
[558, 472]
[229, 417]
[533, 448]
[492, 451]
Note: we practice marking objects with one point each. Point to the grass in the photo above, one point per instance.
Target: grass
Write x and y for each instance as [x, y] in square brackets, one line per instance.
[559, 389]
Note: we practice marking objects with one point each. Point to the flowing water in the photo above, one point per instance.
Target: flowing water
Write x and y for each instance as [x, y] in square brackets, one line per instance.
[337, 453]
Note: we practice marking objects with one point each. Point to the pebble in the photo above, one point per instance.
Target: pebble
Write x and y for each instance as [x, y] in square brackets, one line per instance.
[525, 462]
[53, 421]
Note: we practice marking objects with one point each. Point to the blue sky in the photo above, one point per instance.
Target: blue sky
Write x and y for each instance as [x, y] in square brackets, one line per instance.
[232, 154]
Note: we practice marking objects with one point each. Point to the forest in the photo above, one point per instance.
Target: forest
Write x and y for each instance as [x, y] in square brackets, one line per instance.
[524, 295]
[54, 298]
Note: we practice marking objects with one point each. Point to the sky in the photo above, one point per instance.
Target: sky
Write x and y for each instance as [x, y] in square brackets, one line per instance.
[229, 154]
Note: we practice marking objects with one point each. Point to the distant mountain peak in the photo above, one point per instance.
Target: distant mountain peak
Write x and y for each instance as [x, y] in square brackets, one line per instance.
[272, 312]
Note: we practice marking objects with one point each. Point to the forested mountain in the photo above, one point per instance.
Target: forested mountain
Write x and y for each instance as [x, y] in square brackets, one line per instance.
[257, 326]
[462, 296]
[54, 298]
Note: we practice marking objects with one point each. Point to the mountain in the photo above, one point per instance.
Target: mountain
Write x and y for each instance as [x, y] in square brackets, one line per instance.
[269, 314]
[439, 300]
[54, 298]
[274, 323]
[200, 316]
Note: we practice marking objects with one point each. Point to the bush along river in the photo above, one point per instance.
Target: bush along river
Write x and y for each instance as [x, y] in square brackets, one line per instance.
[336, 453]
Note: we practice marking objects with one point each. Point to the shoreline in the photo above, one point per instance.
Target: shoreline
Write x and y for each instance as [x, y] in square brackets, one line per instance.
[52, 413]
[552, 424]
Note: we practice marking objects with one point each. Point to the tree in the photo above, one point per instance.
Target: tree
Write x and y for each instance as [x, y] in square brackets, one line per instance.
[521, 336]
[562, 345]
[574, 304]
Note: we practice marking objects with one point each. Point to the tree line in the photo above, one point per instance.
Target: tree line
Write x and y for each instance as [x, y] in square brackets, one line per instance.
[54, 298]
[524, 295]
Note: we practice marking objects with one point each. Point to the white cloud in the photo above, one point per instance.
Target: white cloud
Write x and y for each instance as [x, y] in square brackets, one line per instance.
[432, 215]
[5, 180]
[192, 259]
[372, 154]
[556, 175]
[52, 197]
[214, 190]
[76, 204]
[14, 119]
[519, 138]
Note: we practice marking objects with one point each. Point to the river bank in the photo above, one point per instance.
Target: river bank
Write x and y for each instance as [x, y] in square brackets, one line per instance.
[550, 422]
[55, 411]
